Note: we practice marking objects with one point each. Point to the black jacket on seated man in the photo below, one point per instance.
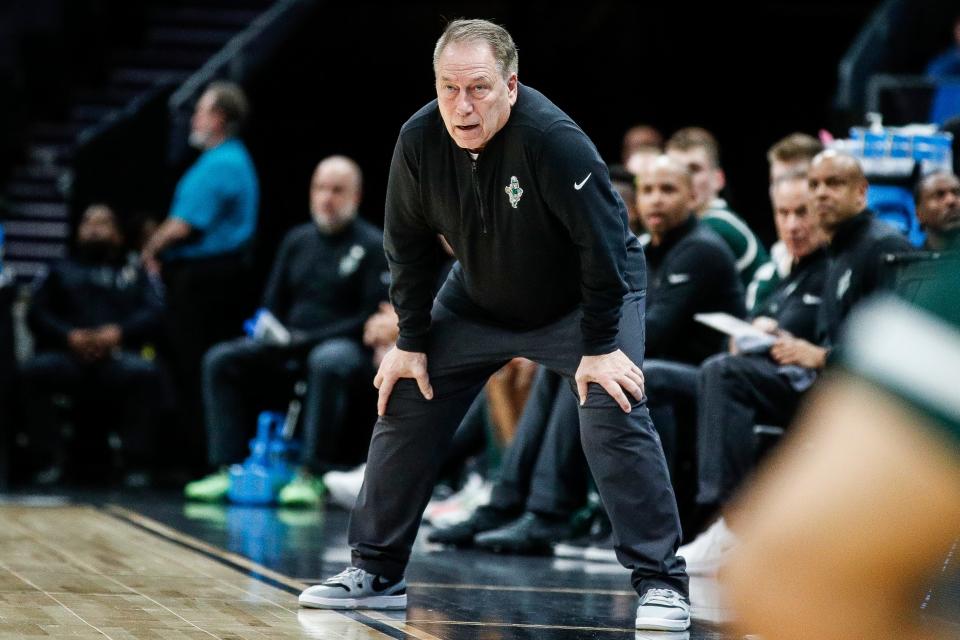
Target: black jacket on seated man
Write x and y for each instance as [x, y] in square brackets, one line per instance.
[323, 287]
[326, 286]
[88, 293]
[856, 252]
[692, 271]
[737, 392]
[91, 317]
[796, 301]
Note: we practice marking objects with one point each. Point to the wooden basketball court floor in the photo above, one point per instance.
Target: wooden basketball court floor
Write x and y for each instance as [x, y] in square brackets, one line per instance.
[112, 566]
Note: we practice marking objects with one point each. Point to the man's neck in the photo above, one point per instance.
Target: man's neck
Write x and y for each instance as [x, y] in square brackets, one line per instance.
[832, 231]
[707, 206]
[937, 241]
[215, 141]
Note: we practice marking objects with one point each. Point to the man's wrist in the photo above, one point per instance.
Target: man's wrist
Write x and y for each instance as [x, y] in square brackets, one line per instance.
[602, 347]
[416, 344]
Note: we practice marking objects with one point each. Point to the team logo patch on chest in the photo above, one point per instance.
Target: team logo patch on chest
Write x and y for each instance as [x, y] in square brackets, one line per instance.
[843, 284]
[350, 262]
[514, 192]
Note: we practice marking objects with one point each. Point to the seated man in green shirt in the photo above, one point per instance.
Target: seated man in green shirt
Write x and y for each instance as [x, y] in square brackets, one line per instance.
[788, 158]
[698, 149]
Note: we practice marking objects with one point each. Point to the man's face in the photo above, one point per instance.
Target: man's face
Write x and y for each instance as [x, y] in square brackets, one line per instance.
[664, 198]
[797, 225]
[99, 227]
[334, 195]
[474, 99]
[708, 180]
[939, 206]
[837, 191]
[207, 121]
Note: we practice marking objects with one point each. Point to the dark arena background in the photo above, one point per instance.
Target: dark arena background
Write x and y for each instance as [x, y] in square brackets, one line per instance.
[96, 99]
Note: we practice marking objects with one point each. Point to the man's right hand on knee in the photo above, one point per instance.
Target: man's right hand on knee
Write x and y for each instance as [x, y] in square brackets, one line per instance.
[401, 364]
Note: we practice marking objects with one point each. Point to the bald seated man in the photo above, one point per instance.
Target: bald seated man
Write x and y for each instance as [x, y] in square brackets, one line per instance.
[938, 209]
[329, 276]
[732, 398]
[858, 243]
[691, 270]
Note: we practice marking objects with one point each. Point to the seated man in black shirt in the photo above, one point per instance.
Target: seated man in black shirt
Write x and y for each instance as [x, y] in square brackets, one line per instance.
[938, 209]
[91, 316]
[737, 391]
[329, 276]
[691, 271]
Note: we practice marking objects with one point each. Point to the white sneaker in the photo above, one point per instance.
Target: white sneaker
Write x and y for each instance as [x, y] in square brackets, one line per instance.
[663, 610]
[461, 505]
[343, 487]
[354, 588]
[708, 552]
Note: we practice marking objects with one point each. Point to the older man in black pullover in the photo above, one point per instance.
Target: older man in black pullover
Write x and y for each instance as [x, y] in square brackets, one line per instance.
[547, 270]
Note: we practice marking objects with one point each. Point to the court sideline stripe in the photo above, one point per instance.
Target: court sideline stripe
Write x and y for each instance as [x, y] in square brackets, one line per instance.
[519, 589]
[246, 566]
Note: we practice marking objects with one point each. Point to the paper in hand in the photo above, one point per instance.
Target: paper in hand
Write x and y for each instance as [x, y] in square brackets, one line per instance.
[748, 338]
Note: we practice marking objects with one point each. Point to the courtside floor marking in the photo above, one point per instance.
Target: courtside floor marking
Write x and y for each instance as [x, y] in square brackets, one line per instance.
[379, 621]
[374, 619]
[122, 581]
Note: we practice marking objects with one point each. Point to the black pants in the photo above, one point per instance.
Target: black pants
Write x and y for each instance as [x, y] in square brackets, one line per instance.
[622, 449]
[543, 469]
[130, 391]
[207, 302]
[243, 377]
[672, 396]
[469, 440]
[735, 393]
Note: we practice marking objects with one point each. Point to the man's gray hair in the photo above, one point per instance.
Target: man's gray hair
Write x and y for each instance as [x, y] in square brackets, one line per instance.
[230, 100]
[499, 39]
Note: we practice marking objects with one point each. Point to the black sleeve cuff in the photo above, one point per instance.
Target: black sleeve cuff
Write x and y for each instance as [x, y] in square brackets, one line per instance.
[416, 345]
[599, 347]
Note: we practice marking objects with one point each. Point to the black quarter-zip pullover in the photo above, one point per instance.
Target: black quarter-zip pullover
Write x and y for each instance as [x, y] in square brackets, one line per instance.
[533, 221]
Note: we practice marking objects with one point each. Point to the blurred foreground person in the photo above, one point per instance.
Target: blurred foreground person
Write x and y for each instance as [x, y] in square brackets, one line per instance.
[845, 529]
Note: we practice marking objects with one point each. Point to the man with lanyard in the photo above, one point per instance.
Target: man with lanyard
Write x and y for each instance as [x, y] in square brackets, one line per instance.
[547, 270]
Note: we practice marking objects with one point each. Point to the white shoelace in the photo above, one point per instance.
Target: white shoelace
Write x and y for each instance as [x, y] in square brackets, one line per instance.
[663, 596]
[350, 575]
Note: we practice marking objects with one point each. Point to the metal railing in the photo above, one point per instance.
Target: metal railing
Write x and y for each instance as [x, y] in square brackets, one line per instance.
[237, 61]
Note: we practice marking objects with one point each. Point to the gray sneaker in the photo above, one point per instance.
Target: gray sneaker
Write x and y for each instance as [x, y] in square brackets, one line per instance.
[663, 610]
[354, 588]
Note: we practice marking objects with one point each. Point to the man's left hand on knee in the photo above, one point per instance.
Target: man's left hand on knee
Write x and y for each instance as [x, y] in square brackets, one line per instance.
[615, 372]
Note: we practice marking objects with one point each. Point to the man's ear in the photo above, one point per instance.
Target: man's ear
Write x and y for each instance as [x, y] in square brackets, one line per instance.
[513, 85]
[720, 178]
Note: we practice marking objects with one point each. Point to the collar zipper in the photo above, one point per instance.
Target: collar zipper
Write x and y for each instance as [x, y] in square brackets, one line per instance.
[476, 191]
